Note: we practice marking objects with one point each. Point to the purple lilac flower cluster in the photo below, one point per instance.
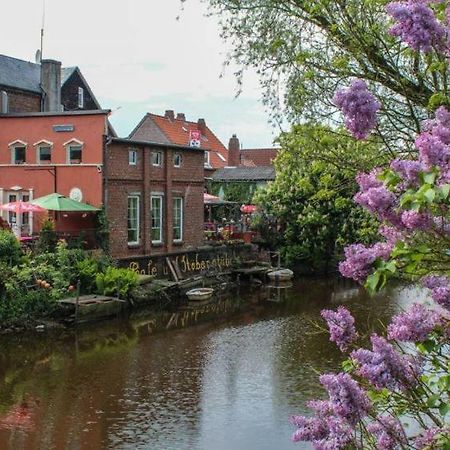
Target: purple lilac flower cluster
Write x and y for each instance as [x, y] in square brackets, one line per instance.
[359, 107]
[416, 25]
[341, 325]
[388, 432]
[359, 259]
[440, 289]
[428, 438]
[414, 325]
[384, 367]
[408, 170]
[332, 426]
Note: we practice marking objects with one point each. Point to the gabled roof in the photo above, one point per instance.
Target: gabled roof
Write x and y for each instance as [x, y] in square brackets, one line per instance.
[24, 75]
[164, 130]
[258, 156]
[261, 173]
[30, 74]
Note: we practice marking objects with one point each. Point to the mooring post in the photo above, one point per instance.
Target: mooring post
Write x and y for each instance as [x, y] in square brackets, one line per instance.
[77, 300]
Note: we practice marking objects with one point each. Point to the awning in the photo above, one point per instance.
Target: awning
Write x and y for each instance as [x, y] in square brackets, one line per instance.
[57, 202]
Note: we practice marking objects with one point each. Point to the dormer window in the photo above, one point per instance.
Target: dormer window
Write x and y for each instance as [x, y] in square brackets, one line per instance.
[18, 152]
[74, 150]
[80, 97]
[44, 152]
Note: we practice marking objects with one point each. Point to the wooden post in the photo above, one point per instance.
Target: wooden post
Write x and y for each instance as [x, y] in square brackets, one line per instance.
[77, 300]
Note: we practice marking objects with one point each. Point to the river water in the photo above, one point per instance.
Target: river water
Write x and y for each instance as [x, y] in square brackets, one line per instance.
[224, 377]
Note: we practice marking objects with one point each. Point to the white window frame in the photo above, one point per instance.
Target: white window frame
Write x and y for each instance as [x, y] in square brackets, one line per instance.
[69, 145]
[137, 197]
[160, 197]
[80, 97]
[180, 159]
[38, 146]
[160, 158]
[13, 146]
[207, 162]
[132, 157]
[181, 227]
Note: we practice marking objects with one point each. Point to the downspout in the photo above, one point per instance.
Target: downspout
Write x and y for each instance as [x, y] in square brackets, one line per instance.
[106, 142]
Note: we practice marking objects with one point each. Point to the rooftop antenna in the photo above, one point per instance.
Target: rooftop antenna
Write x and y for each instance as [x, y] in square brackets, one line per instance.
[42, 31]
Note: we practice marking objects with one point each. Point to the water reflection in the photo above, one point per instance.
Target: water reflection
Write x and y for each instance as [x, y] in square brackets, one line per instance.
[224, 377]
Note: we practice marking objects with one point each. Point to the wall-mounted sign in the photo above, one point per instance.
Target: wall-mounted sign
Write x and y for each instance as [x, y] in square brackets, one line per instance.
[76, 194]
[194, 138]
[63, 128]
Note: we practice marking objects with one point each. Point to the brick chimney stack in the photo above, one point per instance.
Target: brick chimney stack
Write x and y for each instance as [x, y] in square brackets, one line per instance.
[234, 152]
[181, 116]
[201, 125]
[169, 114]
[51, 85]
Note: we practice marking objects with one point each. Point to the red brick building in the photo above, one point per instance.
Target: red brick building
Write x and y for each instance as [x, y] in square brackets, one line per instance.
[153, 197]
[171, 129]
[152, 193]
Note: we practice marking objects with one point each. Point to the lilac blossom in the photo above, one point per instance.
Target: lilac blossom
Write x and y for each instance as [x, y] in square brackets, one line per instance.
[359, 259]
[368, 180]
[376, 200]
[428, 437]
[413, 220]
[413, 325]
[416, 25]
[407, 169]
[432, 151]
[341, 325]
[359, 107]
[388, 432]
[391, 234]
[384, 367]
[325, 433]
[440, 289]
[440, 125]
[347, 400]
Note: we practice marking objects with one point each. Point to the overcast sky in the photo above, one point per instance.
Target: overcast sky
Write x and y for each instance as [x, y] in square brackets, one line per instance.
[138, 58]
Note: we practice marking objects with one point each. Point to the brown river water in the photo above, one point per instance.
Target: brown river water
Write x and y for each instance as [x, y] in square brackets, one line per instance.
[224, 377]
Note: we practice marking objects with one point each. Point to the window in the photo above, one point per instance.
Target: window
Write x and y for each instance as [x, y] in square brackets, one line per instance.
[44, 152]
[177, 219]
[80, 97]
[26, 215]
[133, 219]
[132, 157]
[12, 216]
[157, 158]
[19, 154]
[74, 154]
[4, 105]
[207, 163]
[177, 159]
[156, 206]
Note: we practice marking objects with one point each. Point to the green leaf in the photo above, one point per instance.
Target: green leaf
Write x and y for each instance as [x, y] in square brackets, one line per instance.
[372, 282]
[444, 409]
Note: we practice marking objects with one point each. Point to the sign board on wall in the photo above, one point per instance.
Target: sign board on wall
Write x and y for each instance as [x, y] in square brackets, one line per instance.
[194, 138]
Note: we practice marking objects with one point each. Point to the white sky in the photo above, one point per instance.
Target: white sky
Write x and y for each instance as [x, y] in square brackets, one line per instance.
[138, 58]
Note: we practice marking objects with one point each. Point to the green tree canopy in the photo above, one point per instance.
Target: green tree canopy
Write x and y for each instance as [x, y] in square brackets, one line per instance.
[312, 195]
[304, 50]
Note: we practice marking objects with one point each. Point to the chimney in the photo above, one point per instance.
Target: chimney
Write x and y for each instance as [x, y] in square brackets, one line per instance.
[51, 84]
[201, 125]
[169, 114]
[181, 116]
[234, 153]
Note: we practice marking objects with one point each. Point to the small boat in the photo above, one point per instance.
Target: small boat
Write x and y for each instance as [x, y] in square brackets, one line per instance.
[280, 275]
[200, 294]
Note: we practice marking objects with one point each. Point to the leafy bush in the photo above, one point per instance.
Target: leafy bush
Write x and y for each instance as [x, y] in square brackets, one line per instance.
[116, 281]
[10, 251]
[47, 236]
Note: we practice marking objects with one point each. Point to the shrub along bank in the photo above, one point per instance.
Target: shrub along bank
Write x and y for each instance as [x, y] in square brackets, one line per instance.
[31, 282]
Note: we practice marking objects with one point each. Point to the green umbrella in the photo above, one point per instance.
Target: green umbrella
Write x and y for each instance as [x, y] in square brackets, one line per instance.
[57, 202]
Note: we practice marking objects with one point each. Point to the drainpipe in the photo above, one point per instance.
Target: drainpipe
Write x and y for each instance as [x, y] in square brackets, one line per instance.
[106, 142]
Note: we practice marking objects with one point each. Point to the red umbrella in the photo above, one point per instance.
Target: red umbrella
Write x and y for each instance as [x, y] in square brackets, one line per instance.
[248, 209]
[21, 207]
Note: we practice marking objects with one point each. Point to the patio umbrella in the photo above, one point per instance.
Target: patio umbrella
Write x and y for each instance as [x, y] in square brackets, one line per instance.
[21, 207]
[57, 202]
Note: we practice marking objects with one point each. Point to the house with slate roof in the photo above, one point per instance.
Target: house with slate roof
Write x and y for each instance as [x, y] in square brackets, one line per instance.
[44, 87]
[171, 129]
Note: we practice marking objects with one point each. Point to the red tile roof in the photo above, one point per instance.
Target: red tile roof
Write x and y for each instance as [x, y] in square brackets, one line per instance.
[258, 156]
[176, 131]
